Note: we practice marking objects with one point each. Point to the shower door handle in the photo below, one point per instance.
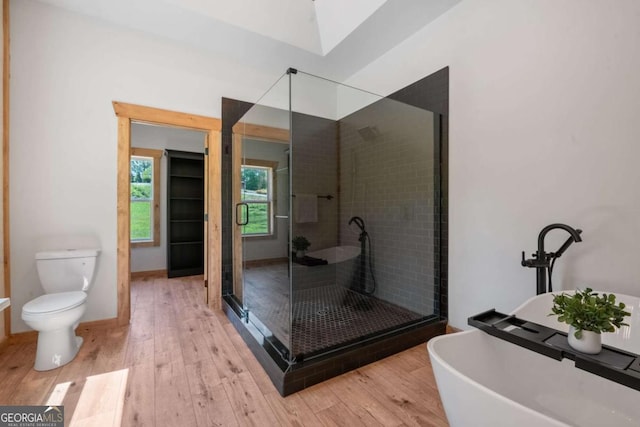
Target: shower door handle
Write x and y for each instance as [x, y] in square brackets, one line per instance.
[246, 214]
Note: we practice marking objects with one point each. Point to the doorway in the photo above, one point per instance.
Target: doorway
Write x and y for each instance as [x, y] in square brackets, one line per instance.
[167, 201]
[128, 114]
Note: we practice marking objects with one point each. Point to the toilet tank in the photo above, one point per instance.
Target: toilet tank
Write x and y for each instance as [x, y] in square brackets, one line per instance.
[66, 270]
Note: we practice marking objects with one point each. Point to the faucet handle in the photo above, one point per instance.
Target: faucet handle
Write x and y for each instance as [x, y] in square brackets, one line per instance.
[532, 262]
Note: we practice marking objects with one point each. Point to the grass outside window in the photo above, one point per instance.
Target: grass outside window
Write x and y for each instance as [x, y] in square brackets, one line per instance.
[141, 221]
[145, 197]
[259, 219]
[258, 185]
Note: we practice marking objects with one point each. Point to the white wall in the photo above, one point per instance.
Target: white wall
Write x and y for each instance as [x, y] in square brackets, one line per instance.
[544, 98]
[66, 70]
[161, 138]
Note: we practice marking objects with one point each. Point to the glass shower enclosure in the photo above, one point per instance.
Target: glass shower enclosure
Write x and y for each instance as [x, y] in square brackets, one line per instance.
[335, 217]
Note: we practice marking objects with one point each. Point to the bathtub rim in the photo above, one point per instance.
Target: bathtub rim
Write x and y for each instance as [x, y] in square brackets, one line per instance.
[334, 250]
[459, 335]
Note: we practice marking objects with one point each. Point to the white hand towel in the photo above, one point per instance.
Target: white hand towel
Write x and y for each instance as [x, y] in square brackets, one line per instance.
[306, 206]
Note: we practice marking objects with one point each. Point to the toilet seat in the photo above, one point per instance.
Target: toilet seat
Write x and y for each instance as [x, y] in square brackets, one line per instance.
[53, 303]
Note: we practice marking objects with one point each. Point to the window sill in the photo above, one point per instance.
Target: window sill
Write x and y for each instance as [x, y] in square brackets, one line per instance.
[144, 244]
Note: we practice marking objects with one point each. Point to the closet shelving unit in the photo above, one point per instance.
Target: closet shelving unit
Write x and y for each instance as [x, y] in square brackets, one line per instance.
[185, 213]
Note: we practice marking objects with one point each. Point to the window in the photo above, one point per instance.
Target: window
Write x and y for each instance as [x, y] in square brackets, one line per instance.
[258, 193]
[145, 197]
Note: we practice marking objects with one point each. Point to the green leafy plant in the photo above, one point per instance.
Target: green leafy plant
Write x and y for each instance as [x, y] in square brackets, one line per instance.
[300, 243]
[587, 311]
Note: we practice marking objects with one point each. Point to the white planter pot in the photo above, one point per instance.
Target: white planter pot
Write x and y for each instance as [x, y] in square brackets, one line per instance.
[590, 343]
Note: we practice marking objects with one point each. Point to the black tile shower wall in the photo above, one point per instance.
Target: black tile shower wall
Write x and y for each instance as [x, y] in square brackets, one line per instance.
[232, 111]
[432, 93]
[444, 218]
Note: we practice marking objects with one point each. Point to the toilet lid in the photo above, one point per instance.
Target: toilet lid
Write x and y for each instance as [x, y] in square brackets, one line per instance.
[50, 303]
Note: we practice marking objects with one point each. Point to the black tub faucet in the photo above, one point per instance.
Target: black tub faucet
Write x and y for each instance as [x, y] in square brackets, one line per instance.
[543, 261]
[359, 222]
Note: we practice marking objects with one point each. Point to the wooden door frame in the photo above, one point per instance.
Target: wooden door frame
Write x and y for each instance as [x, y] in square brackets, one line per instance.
[128, 113]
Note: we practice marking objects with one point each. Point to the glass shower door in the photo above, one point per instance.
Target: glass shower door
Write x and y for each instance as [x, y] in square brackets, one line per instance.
[261, 227]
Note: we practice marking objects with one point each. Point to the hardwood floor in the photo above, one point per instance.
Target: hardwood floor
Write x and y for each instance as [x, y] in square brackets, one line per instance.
[188, 366]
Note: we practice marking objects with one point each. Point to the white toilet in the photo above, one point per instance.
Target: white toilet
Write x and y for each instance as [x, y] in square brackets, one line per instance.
[66, 276]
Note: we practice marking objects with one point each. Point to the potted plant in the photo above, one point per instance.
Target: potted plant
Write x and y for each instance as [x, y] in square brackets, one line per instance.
[300, 245]
[588, 315]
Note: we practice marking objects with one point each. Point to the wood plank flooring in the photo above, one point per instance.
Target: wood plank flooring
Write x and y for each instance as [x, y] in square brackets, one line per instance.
[188, 366]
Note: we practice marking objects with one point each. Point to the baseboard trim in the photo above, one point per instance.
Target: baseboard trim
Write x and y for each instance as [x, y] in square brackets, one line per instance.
[148, 274]
[100, 324]
[23, 337]
[32, 336]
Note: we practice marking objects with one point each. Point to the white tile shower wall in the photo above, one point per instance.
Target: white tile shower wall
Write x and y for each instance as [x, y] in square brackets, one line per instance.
[388, 181]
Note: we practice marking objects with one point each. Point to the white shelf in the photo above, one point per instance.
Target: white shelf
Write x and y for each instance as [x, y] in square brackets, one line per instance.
[4, 303]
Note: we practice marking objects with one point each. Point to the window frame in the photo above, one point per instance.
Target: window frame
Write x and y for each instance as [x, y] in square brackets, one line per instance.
[156, 155]
[271, 201]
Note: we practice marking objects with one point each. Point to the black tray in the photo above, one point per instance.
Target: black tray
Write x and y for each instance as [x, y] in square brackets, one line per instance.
[611, 363]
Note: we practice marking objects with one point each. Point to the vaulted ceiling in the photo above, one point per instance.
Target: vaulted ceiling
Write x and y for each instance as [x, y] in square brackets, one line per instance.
[316, 26]
[333, 37]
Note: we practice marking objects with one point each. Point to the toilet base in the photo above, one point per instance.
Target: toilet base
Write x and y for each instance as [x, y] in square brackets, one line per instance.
[56, 348]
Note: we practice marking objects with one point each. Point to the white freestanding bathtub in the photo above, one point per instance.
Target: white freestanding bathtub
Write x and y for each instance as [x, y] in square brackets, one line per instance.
[486, 381]
[341, 262]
